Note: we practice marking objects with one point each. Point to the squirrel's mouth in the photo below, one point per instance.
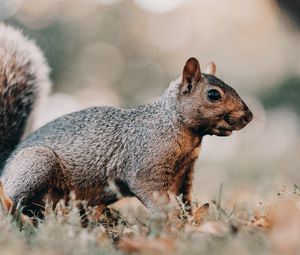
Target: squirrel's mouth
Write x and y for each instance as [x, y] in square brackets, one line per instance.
[226, 125]
[221, 131]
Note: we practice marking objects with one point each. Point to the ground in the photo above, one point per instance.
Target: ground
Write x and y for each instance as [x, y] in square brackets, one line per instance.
[215, 227]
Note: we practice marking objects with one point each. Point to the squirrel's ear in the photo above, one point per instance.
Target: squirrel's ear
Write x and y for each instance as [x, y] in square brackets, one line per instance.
[211, 68]
[191, 74]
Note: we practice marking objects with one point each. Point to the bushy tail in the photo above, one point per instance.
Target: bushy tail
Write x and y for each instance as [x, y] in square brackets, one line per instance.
[23, 82]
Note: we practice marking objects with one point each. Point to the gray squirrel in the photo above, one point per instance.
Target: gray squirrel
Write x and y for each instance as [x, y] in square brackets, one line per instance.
[144, 149]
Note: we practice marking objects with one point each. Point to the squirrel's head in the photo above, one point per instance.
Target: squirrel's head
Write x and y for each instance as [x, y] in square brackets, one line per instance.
[207, 104]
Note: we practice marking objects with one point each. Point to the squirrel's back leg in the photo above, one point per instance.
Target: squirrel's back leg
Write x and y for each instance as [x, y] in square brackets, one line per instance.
[30, 175]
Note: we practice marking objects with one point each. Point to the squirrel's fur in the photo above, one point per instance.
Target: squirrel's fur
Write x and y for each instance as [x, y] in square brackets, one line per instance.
[146, 149]
[23, 81]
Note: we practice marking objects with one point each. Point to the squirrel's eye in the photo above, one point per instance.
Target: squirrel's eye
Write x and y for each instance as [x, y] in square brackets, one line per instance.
[214, 95]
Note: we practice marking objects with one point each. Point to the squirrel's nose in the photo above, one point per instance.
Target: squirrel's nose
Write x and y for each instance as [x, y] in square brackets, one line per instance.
[247, 117]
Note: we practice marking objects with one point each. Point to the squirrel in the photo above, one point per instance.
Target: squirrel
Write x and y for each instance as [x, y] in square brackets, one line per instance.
[145, 149]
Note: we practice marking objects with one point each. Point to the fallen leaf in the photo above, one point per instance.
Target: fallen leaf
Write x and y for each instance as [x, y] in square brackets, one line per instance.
[199, 213]
[160, 245]
[5, 201]
[7, 205]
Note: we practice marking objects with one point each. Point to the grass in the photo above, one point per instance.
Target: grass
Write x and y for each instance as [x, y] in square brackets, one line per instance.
[214, 228]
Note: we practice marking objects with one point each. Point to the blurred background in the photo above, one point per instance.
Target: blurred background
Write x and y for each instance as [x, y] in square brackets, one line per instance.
[125, 53]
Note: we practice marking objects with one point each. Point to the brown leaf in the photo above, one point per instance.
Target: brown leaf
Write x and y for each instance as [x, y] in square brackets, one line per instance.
[262, 222]
[5, 201]
[200, 212]
[160, 245]
[7, 205]
[285, 231]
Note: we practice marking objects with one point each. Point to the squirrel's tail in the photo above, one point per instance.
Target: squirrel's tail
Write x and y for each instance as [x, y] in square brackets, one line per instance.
[23, 81]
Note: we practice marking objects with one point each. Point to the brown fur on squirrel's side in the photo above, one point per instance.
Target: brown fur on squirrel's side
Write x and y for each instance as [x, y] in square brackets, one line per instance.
[142, 150]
